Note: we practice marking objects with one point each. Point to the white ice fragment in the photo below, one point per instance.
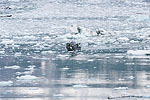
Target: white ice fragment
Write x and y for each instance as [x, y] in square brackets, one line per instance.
[2, 52]
[133, 41]
[120, 79]
[47, 52]
[46, 38]
[121, 88]
[7, 41]
[131, 77]
[6, 83]
[102, 31]
[30, 69]
[27, 77]
[26, 73]
[63, 57]
[147, 86]
[65, 68]
[80, 86]
[18, 54]
[58, 95]
[123, 39]
[94, 67]
[138, 52]
[12, 67]
[14, 0]
[90, 60]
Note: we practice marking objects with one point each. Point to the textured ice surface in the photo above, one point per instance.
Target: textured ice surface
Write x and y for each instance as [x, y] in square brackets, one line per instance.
[35, 37]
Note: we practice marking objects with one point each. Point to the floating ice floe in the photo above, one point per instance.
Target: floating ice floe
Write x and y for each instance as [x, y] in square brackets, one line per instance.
[121, 88]
[147, 86]
[123, 39]
[138, 52]
[131, 77]
[65, 68]
[27, 78]
[58, 95]
[6, 83]
[12, 67]
[2, 52]
[80, 86]
[14, 0]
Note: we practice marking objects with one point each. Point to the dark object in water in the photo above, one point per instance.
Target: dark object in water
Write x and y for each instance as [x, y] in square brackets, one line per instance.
[79, 29]
[76, 29]
[72, 46]
[9, 16]
[100, 32]
[7, 8]
[6, 16]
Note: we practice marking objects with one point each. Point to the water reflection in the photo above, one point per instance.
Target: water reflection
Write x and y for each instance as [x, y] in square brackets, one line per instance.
[42, 78]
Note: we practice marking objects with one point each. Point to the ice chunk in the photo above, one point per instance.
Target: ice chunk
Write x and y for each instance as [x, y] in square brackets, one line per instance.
[80, 86]
[12, 67]
[90, 60]
[65, 68]
[58, 95]
[14, 0]
[121, 88]
[5, 83]
[123, 39]
[139, 52]
[27, 77]
[131, 77]
[2, 52]
[147, 86]
[48, 52]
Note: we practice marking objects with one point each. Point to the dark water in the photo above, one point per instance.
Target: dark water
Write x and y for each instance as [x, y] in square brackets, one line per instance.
[43, 78]
[35, 65]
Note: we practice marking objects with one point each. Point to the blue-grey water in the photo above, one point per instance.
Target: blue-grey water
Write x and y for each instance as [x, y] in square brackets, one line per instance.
[35, 65]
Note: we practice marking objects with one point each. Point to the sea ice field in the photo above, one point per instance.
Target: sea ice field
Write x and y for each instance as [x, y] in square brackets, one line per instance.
[34, 62]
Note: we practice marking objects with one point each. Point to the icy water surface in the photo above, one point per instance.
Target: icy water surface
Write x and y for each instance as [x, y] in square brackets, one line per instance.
[35, 65]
